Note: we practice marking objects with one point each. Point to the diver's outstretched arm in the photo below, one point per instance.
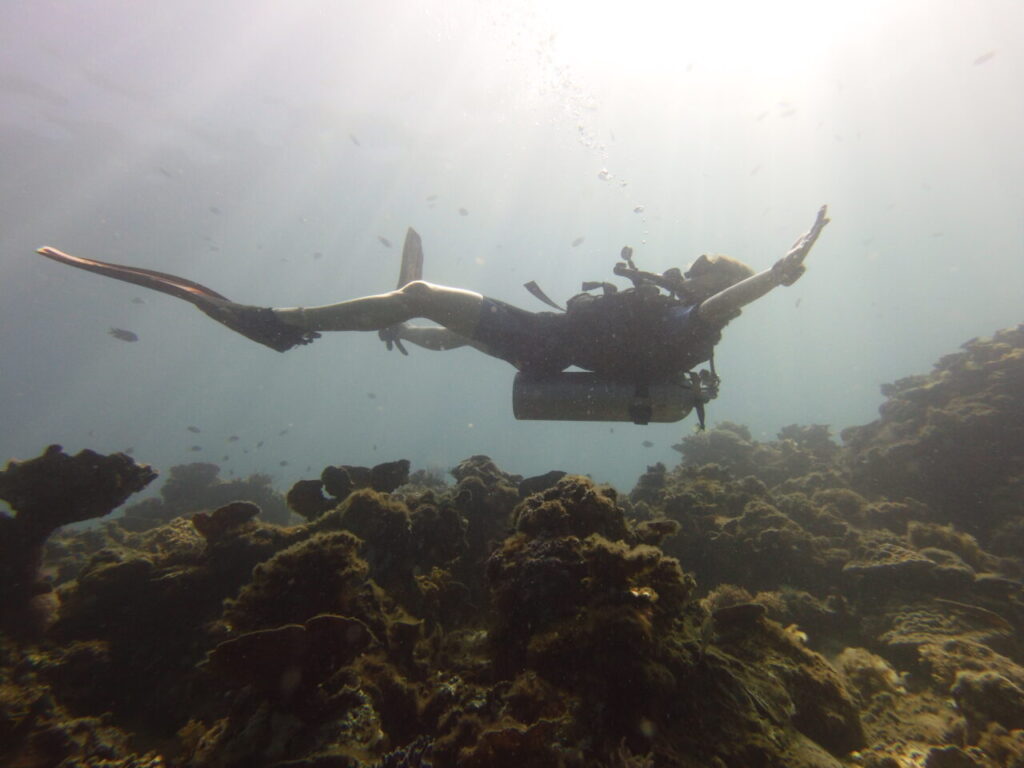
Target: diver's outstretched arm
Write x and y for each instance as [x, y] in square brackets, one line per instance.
[785, 271]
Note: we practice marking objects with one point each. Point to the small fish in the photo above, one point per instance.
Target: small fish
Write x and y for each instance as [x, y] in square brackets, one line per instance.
[259, 444]
[196, 448]
[384, 241]
[226, 457]
[137, 300]
[638, 209]
[647, 444]
[197, 430]
[282, 463]
[122, 334]
[318, 255]
[283, 432]
[233, 439]
[214, 210]
[463, 212]
[431, 198]
[984, 57]
[371, 395]
[129, 450]
[578, 242]
[355, 141]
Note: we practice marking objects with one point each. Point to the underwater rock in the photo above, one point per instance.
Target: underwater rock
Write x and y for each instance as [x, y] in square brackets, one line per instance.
[341, 480]
[485, 469]
[46, 493]
[38, 728]
[306, 498]
[323, 574]
[953, 438]
[573, 507]
[390, 475]
[438, 534]
[288, 660]
[484, 498]
[868, 674]
[649, 485]
[384, 527]
[539, 483]
[988, 697]
[798, 452]
[195, 487]
[881, 566]
[214, 525]
[728, 445]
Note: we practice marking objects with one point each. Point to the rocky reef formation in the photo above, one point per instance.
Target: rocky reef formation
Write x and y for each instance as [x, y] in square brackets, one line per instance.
[193, 487]
[46, 493]
[786, 603]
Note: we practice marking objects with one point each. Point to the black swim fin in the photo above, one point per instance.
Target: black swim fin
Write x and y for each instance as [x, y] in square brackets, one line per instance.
[257, 323]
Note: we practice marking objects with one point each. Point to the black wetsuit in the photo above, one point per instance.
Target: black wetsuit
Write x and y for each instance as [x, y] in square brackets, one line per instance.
[624, 335]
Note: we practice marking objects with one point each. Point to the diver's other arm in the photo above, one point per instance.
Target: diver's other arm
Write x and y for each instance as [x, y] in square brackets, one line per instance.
[428, 337]
[785, 271]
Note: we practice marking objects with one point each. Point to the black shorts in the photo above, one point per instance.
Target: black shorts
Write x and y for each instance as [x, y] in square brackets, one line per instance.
[531, 341]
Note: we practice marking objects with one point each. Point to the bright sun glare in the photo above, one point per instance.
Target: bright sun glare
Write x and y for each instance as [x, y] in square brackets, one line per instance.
[666, 38]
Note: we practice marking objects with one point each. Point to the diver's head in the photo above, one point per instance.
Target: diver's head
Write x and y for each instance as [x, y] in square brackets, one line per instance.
[709, 275]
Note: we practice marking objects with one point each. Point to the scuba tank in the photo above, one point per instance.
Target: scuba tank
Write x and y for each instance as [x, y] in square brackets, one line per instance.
[586, 396]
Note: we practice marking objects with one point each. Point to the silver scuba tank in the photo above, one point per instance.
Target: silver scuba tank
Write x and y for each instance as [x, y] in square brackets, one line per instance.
[586, 396]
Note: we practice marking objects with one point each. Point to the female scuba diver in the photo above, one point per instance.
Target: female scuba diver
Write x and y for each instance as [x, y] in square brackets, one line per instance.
[655, 332]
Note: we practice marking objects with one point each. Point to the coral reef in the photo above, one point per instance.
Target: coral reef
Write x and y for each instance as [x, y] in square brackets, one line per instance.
[306, 497]
[793, 602]
[953, 439]
[194, 487]
[46, 493]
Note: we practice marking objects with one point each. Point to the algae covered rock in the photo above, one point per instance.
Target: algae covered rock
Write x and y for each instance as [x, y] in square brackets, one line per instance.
[196, 487]
[954, 438]
[323, 574]
[46, 493]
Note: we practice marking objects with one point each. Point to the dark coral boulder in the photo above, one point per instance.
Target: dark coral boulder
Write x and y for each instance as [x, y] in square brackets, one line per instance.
[953, 438]
[48, 492]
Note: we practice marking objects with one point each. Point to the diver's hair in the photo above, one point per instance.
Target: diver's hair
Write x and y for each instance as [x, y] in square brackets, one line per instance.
[732, 269]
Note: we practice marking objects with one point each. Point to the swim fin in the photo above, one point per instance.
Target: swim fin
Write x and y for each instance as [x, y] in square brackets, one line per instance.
[412, 259]
[175, 286]
[257, 323]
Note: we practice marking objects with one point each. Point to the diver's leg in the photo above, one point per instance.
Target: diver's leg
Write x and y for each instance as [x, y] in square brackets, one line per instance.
[454, 308]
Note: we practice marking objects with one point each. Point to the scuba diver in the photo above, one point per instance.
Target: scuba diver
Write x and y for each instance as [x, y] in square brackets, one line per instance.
[637, 347]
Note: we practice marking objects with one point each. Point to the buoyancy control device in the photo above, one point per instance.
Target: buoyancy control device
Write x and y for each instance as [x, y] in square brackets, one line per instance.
[588, 396]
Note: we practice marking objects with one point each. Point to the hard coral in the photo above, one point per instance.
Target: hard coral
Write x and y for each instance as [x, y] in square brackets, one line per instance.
[952, 439]
[194, 487]
[323, 574]
[46, 493]
[574, 506]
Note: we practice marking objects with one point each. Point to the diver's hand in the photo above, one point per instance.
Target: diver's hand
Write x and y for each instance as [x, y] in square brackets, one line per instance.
[790, 267]
[392, 336]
